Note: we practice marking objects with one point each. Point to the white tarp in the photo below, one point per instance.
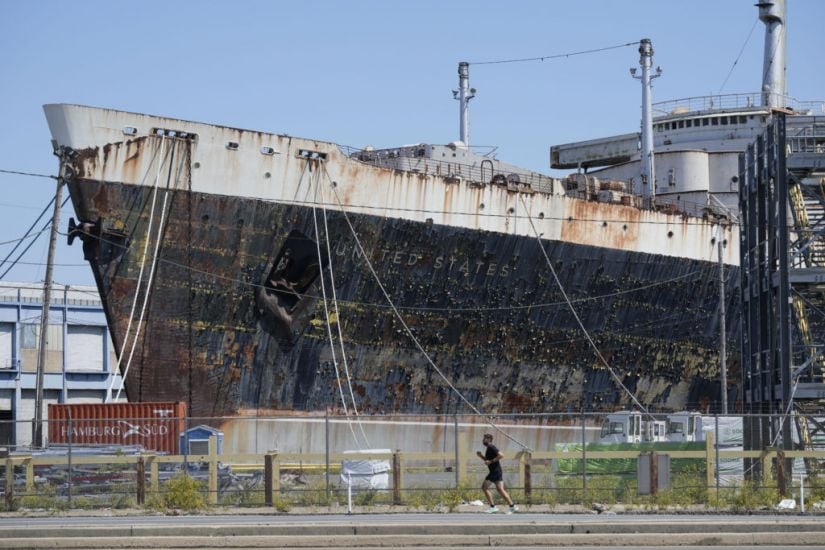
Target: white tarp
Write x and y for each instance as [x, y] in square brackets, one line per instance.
[366, 473]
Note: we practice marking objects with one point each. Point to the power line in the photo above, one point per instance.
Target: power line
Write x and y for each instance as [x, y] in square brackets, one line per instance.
[24, 237]
[54, 264]
[27, 174]
[554, 56]
[46, 226]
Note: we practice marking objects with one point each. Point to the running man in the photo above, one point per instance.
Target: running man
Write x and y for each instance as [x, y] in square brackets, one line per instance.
[492, 458]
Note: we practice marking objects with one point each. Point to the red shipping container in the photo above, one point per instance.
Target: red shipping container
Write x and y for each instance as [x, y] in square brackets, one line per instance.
[155, 426]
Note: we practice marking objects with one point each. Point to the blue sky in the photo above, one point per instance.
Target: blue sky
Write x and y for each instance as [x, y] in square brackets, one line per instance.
[364, 73]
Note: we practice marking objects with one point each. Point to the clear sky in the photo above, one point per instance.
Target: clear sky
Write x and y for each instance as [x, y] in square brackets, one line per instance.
[364, 73]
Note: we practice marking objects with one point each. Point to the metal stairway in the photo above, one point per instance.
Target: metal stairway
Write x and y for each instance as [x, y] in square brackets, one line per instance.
[806, 199]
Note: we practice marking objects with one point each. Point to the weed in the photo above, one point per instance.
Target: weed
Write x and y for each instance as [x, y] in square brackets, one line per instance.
[281, 504]
[156, 502]
[426, 498]
[747, 496]
[451, 499]
[184, 493]
[543, 496]
[44, 497]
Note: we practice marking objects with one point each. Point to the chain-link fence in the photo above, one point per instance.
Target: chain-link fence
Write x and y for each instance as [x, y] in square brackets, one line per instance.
[416, 461]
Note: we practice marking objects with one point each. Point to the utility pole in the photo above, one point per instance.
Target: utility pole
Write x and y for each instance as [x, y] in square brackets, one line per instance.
[37, 439]
[37, 435]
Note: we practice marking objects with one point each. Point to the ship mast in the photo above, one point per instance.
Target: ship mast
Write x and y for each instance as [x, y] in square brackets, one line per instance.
[774, 85]
[464, 94]
[646, 62]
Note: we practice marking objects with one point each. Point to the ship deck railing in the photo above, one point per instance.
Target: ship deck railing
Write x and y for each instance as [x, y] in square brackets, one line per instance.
[734, 102]
[527, 180]
[482, 173]
[710, 209]
[807, 139]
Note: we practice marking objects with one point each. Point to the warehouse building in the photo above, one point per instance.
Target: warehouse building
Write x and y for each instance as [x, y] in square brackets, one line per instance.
[80, 356]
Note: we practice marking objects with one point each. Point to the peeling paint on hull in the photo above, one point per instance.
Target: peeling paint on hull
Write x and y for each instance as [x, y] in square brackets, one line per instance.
[483, 304]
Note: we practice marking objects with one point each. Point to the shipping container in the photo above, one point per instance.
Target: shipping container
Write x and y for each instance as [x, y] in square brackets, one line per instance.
[155, 426]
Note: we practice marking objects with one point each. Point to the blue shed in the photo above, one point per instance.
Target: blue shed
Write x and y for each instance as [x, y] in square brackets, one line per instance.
[195, 441]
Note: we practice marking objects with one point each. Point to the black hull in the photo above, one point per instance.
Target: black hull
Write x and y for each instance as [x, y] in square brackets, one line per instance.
[235, 322]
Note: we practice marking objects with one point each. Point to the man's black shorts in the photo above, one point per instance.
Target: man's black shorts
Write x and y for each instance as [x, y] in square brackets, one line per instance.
[495, 477]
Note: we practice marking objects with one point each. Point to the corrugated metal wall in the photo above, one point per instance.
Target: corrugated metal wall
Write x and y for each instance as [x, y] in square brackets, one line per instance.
[155, 426]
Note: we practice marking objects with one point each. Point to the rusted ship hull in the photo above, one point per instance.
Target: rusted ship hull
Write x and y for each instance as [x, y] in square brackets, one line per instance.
[484, 306]
[234, 317]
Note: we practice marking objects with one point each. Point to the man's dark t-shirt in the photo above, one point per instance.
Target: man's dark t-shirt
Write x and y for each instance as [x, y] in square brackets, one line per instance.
[495, 467]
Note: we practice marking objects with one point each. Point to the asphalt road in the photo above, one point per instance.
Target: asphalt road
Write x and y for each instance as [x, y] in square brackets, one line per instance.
[411, 530]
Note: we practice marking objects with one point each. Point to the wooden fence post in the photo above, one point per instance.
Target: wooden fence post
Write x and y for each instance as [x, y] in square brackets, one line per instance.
[212, 496]
[141, 481]
[154, 474]
[9, 483]
[781, 478]
[268, 479]
[397, 476]
[526, 474]
[29, 474]
[767, 455]
[272, 478]
[710, 464]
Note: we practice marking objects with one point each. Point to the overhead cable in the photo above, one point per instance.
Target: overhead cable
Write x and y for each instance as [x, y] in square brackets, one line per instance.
[554, 56]
[45, 228]
[730, 72]
[17, 172]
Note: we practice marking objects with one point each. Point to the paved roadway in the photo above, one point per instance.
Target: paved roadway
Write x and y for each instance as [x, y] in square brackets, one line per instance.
[523, 531]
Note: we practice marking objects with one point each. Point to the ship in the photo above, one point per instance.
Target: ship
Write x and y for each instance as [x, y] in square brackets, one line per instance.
[252, 271]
